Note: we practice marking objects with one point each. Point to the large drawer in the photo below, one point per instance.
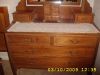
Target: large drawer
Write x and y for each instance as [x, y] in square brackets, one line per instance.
[47, 62]
[28, 39]
[32, 51]
[75, 41]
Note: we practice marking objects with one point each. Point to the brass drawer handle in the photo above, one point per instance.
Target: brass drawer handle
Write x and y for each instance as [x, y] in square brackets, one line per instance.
[74, 41]
[72, 53]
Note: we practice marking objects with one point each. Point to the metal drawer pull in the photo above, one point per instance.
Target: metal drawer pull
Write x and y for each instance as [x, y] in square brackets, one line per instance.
[74, 41]
[72, 53]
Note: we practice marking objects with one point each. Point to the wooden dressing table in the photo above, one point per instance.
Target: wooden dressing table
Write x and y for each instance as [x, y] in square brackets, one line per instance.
[47, 45]
[70, 42]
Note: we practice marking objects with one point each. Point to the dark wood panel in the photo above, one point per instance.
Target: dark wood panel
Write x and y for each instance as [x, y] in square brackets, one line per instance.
[4, 18]
[45, 62]
[2, 42]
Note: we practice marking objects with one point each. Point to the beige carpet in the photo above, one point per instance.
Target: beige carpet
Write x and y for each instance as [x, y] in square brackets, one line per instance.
[8, 71]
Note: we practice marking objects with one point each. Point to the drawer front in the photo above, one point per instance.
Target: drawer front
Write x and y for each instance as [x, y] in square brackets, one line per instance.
[47, 62]
[84, 18]
[19, 39]
[22, 17]
[55, 10]
[31, 51]
[75, 41]
[47, 9]
[28, 39]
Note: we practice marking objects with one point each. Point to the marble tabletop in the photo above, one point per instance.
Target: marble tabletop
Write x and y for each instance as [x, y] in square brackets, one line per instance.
[53, 27]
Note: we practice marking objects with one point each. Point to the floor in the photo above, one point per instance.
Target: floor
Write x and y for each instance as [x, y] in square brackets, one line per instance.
[8, 71]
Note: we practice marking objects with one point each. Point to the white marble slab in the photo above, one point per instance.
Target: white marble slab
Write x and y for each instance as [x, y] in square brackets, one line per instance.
[4, 56]
[53, 27]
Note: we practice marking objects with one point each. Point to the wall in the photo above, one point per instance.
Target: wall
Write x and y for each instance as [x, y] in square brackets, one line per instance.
[96, 11]
[91, 3]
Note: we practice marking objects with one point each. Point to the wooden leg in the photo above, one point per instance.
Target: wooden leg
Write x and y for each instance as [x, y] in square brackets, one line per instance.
[89, 73]
[14, 70]
[1, 68]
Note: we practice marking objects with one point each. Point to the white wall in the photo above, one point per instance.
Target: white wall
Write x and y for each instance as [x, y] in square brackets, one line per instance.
[96, 11]
[91, 3]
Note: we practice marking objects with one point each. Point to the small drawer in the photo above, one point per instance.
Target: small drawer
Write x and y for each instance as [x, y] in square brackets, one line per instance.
[84, 18]
[22, 17]
[19, 39]
[28, 39]
[75, 41]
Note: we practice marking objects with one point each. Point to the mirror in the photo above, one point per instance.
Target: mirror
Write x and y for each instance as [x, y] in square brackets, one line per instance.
[65, 2]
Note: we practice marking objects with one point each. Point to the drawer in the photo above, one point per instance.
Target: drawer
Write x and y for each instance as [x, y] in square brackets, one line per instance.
[75, 41]
[30, 51]
[22, 17]
[28, 39]
[48, 62]
[72, 52]
[84, 18]
[19, 39]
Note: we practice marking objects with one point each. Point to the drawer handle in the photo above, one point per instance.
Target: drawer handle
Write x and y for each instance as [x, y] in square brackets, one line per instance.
[72, 53]
[27, 40]
[69, 53]
[74, 41]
